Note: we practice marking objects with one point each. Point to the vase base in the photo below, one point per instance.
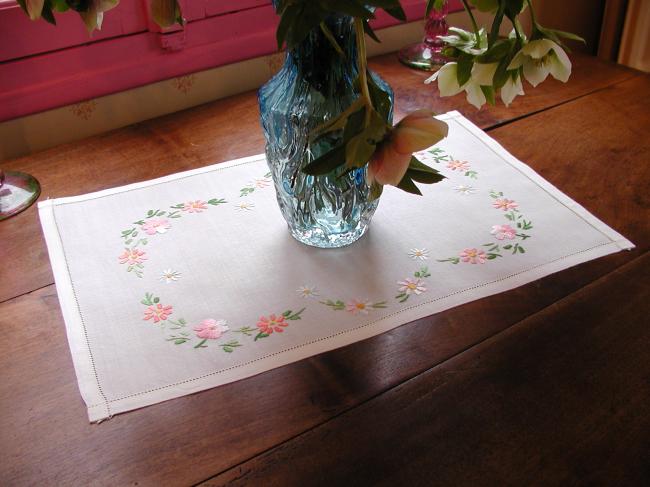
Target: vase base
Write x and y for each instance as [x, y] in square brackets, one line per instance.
[17, 193]
[323, 240]
[421, 56]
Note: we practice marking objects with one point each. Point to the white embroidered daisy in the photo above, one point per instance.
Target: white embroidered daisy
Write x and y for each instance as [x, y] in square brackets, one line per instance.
[244, 206]
[169, 275]
[465, 190]
[419, 254]
[412, 286]
[307, 291]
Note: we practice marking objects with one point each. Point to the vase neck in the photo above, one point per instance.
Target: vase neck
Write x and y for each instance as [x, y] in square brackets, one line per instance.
[316, 59]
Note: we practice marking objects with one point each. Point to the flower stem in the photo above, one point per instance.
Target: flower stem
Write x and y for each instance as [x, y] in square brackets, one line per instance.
[474, 24]
[362, 66]
[532, 13]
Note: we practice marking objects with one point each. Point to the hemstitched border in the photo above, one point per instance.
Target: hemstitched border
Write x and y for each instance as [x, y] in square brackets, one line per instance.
[81, 318]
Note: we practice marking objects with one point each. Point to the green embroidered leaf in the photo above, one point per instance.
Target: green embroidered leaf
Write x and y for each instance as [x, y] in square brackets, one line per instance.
[260, 335]
[422, 273]
[295, 316]
[521, 250]
[180, 341]
[337, 305]
[507, 247]
[381, 304]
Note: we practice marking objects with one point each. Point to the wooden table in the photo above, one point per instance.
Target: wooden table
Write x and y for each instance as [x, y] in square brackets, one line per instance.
[548, 384]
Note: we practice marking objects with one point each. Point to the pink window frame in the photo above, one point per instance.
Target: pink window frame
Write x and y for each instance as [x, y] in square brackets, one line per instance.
[44, 67]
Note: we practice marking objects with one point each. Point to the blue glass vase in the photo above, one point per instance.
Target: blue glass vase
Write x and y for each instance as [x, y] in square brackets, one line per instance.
[316, 84]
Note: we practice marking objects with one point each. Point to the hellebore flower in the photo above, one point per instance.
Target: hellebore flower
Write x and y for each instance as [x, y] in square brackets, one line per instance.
[415, 132]
[34, 8]
[481, 75]
[511, 89]
[94, 15]
[541, 57]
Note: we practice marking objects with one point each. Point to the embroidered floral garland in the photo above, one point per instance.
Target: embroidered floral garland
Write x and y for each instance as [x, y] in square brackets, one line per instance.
[153, 224]
[501, 233]
[211, 329]
[258, 183]
[439, 156]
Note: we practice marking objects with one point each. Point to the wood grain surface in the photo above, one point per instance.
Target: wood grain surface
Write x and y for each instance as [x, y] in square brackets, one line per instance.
[546, 384]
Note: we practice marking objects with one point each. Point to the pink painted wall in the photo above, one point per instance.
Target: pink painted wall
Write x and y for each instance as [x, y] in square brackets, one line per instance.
[43, 67]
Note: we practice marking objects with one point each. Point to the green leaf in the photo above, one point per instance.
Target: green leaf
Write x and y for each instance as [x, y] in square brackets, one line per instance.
[434, 5]
[369, 31]
[424, 177]
[555, 35]
[355, 9]
[358, 150]
[488, 91]
[287, 18]
[260, 335]
[464, 69]
[407, 184]
[498, 51]
[47, 14]
[356, 110]
[327, 162]
[485, 5]
[59, 5]
[381, 100]
[397, 12]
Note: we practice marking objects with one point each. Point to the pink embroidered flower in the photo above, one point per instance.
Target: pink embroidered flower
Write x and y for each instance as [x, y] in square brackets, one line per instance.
[458, 165]
[195, 206]
[157, 313]
[132, 257]
[211, 329]
[262, 183]
[503, 231]
[504, 204]
[272, 323]
[473, 255]
[356, 307]
[156, 225]
[412, 286]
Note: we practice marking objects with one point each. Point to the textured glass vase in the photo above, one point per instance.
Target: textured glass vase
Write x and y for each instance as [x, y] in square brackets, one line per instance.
[316, 84]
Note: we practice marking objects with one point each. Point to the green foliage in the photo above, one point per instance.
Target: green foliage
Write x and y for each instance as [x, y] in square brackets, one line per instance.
[417, 171]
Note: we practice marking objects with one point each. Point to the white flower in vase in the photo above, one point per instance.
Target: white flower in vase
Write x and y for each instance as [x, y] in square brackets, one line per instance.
[540, 58]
